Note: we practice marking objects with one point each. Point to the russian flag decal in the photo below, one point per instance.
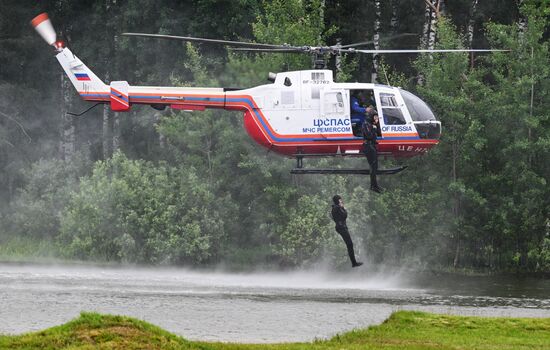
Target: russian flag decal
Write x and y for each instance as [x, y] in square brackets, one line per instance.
[81, 76]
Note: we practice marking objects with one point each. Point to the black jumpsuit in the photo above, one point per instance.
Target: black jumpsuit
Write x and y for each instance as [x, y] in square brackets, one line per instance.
[339, 215]
[369, 147]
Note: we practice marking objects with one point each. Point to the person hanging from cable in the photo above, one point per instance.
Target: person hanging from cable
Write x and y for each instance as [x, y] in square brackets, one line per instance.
[339, 215]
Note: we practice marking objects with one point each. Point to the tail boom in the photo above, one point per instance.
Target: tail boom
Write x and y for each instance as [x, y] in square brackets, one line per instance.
[120, 94]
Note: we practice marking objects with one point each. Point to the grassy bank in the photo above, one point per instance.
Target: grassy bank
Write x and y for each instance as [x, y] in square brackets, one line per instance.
[28, 249]
[403, 330]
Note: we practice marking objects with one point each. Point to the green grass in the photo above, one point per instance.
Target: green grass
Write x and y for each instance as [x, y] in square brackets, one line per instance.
[27, 249]
[403, 330]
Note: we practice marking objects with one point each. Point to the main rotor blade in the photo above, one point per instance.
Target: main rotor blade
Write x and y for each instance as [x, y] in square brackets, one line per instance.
[286, 50]
[424, 51]
[381, 39]
[204, 40]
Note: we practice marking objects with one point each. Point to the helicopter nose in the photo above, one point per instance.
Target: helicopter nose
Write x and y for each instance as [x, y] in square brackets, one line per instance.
[427, 125]
[428, 130]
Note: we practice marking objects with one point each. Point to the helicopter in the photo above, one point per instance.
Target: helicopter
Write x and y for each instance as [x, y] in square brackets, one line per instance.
[300, 114]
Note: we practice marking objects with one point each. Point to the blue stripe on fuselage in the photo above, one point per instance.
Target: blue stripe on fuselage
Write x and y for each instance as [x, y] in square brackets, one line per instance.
[122, 97]
[95, 95]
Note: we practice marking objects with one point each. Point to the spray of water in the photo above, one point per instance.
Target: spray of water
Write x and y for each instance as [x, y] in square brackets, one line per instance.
[175, 279]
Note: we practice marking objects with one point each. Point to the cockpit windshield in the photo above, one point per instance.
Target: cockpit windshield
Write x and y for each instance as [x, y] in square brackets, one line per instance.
[418, 109]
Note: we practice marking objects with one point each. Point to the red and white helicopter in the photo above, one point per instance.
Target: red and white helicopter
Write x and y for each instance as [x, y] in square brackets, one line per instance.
[300, 114]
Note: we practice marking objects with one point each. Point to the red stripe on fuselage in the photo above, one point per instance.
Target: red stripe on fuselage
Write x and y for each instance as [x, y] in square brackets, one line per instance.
[119, 100]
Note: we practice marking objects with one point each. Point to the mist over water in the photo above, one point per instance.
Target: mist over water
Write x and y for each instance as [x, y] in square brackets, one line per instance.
[262, 306]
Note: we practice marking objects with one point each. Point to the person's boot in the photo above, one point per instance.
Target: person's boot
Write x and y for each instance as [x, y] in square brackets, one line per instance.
[356, 264]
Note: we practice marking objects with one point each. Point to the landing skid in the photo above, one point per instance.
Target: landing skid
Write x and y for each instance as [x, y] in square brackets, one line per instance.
[391, 171]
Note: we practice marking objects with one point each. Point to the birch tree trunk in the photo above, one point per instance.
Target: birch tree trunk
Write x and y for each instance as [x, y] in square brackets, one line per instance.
[432, 28]
[456, 205]
[429, 32]
[338, 59]
[426, 26]
[116, 132]
[522, 20]
[110, 119]
[470, 29]
[161, 137]
[394, 23]
[431, 15]
[67, 128]
[376, 41]
[67, 143]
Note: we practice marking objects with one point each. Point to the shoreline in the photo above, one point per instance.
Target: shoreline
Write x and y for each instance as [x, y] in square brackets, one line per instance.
[223, 267]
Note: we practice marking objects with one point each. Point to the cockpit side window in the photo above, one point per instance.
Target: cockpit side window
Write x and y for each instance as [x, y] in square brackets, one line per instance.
[391, 112]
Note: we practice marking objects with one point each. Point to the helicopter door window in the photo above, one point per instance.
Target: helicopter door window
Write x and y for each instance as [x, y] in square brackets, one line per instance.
[391, 112]
[333, 103]
[338, 107]
[315, 92]
[340, 99]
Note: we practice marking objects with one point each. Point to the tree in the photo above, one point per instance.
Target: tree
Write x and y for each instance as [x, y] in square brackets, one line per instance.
[520, 90]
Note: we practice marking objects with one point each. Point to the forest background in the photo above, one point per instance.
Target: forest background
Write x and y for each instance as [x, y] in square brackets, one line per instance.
[173, 187]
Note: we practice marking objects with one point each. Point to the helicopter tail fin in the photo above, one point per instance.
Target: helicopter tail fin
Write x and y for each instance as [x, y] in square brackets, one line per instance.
[88, 85]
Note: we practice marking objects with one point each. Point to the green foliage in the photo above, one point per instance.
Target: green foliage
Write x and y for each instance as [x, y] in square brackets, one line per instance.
[135, 211]
[539, 257]
[36, 211]
[306, 233]
[293, 22]
[392, 77]
[499, 197]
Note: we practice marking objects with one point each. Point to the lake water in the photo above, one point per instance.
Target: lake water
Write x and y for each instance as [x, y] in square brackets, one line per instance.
[253, 307]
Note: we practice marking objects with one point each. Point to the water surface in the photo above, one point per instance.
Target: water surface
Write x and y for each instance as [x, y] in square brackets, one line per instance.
[253, 307]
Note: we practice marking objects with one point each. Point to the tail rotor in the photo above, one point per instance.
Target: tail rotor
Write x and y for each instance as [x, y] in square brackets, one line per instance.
[44, 27]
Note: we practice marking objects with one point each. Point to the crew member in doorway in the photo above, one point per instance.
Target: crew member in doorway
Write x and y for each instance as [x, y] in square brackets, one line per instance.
[370, 101]
[370, 133]
[358, 112]
[339, 215]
